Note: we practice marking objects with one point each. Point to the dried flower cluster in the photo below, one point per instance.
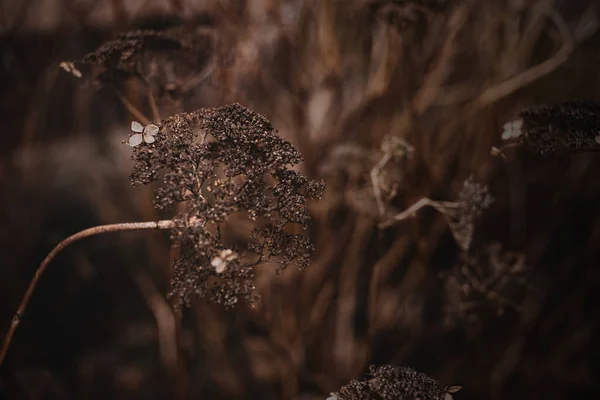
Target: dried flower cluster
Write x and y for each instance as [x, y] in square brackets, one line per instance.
[164, 58]
[220, 162]
[405, 13]
[487, 283]
[394, 383]
[556, 130]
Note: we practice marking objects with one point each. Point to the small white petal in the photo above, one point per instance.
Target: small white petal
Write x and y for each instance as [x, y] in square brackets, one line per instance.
[149, 139]
[507, 126]
[151, 129]
[453, 388]
[219, 264]
[228, 255]
[597, 139]
[135, 139]
[518, 123]
[137, 127]
[507, 134]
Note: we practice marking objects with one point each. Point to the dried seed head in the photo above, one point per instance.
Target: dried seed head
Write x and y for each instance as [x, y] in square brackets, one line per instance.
[556, 130]
[241, 166]
[473, 200]
[391, 382]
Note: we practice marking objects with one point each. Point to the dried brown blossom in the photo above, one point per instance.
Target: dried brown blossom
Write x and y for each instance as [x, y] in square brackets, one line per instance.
[395, 383]
[405, 13]
[168, 58]
[473, 200]
[485, 284]
[220, 162]
[556, 130]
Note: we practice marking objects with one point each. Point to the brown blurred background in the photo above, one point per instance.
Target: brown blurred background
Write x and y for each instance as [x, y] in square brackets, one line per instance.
[335, 77]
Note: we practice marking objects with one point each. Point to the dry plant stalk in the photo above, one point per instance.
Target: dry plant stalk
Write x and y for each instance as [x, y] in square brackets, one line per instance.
[126, 226]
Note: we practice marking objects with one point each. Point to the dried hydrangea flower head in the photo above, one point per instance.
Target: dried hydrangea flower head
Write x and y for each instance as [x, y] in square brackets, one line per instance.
[557, 130]
[220, 162]
[165, 58]
[395, 383]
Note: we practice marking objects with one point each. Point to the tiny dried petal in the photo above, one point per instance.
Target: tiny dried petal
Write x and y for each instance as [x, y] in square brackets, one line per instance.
[149, 139]
[219, 264]
[151, 129]
[137, 127]
[135, 139]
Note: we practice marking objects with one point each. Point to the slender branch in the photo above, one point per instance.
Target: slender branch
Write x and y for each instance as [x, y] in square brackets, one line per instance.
[166, 322]
[444, 207]
[408, 213]
[153, 105]
[129, 226]
[130, 107]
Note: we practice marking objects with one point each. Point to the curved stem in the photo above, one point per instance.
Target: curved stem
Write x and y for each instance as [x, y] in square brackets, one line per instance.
[128, 226]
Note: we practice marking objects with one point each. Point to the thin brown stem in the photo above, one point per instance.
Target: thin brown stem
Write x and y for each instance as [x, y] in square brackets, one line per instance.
[130, 107]
[153, 105]
[127, 226]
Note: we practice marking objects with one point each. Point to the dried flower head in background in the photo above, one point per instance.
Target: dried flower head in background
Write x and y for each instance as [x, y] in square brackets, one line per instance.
[240, 165]
[556, 130]
[488, 283]
[395, 383]
[405, 13]
[473, 200]
[167, 59]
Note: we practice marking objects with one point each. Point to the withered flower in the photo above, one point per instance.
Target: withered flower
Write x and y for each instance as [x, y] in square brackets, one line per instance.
[390, 382]
[555, 130]
[220, 162]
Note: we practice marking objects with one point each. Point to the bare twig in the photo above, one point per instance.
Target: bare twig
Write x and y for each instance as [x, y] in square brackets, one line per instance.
[153, 105]
[165, 318]
[129, 226]
[131, 108]
[442, 206]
